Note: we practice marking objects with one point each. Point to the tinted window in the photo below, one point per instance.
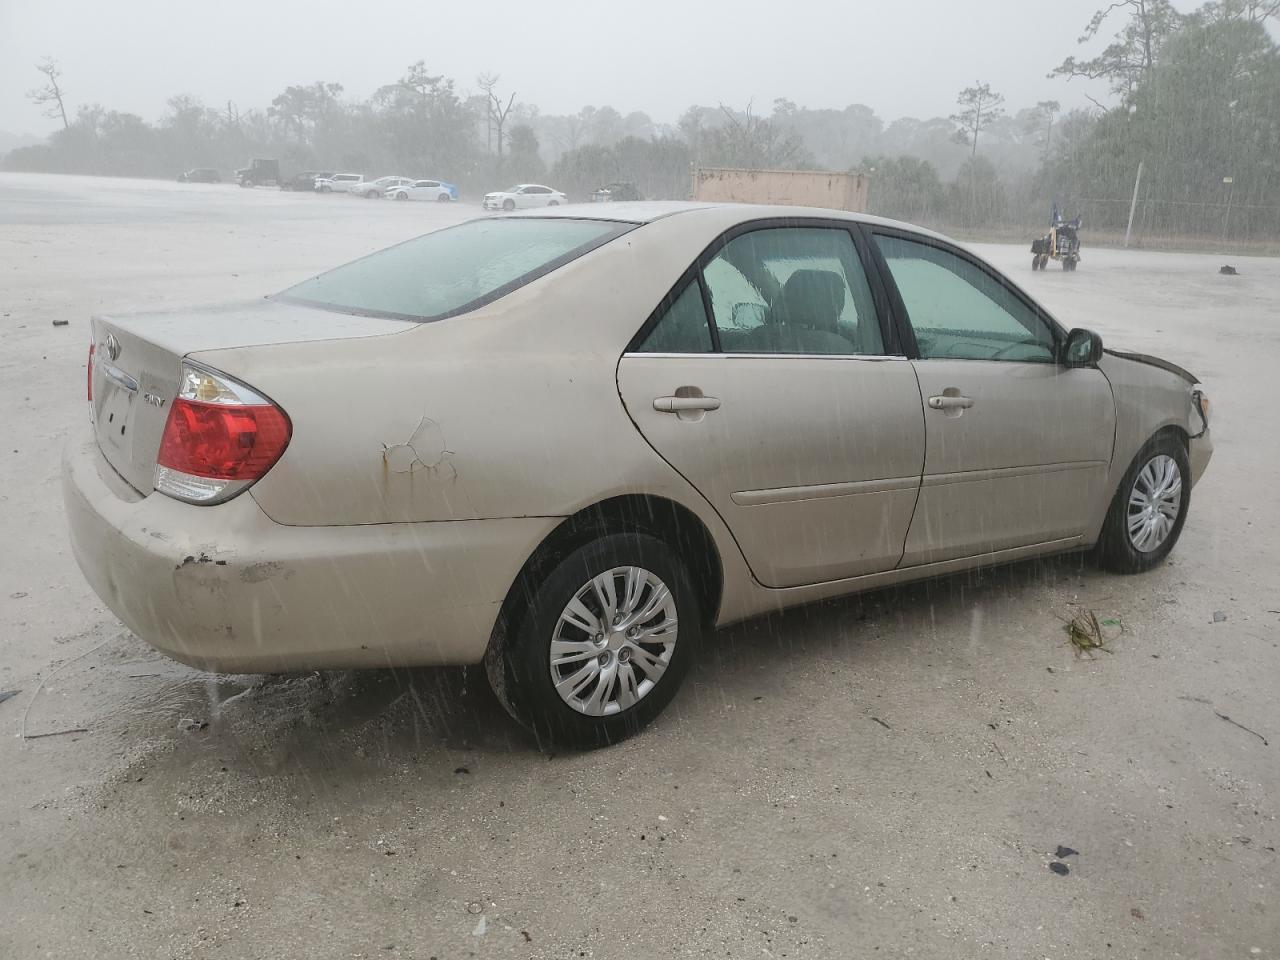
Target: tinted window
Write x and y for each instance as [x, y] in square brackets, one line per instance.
[959, 311]
[792, 290]
[682, 327]
[454, 270]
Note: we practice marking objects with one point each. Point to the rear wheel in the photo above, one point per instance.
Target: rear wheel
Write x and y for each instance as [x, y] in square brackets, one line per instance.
[443, 198]
[1146, 516]
[601, 643]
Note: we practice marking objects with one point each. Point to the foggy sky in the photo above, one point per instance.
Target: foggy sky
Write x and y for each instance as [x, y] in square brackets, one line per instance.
[901, 57]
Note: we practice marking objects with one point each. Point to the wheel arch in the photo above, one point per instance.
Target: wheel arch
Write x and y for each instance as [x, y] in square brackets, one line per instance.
[674, 524]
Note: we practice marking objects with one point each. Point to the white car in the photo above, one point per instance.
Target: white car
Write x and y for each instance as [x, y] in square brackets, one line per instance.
[424, 190]
[339, 183]
[524, 195]
[377, 189]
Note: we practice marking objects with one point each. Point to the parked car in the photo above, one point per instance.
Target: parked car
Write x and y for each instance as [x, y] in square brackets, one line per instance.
[613, 192]
[261, 171]
[306, 180]
[377, 189]
[339, 183]
[200, 175]
[819, 403]
[523, 196]
[424, 190]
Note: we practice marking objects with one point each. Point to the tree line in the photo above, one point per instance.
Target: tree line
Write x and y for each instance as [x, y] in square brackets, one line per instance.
[1193, 100]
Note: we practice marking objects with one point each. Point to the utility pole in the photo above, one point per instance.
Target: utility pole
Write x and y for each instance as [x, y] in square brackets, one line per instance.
[1133, 204]
[1226, 220]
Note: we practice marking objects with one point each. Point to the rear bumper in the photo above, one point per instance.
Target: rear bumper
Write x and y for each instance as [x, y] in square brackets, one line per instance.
[226, 588]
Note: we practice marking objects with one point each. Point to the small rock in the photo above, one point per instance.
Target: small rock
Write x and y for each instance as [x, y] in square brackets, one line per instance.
[1219, 616]
[1061, 869]
[1228, 271]
[18, 596]
[1137, 914]
[1063, 852]
[61, 323]
[475, 907]
[461, 770]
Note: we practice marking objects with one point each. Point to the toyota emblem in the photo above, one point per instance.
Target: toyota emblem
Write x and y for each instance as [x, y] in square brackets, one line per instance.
[112, 347]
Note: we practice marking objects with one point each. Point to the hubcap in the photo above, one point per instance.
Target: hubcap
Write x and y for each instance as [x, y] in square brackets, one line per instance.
[1154, 503]
[613, 641]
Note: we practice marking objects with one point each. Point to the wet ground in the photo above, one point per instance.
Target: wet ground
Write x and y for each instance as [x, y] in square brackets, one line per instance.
[881, 776]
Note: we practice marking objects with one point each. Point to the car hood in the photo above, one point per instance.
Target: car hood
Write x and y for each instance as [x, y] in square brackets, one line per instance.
[1146, 358]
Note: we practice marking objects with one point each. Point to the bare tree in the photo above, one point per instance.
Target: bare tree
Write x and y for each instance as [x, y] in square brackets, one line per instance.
[497, 113]
[49, 97]
[979, 106]
[1043, 115]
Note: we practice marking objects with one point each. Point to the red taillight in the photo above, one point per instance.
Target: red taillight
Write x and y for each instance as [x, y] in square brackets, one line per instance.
[220, 437]
[223, 442]
[89, 374]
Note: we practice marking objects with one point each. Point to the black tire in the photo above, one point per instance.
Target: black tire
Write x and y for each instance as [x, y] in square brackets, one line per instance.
[518, 660]
[443, 198]
[1035, 263]
[508, 205]
[324, 189]
[402, 195]
[553, 203]
[246, 183]
[1115, 550]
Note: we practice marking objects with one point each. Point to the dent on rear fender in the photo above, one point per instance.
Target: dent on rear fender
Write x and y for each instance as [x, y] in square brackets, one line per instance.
[425, 449]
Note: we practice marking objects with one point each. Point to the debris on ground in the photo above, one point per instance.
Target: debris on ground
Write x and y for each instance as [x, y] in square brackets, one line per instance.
[1063, 852]
[882, 723]
[1223, 716]
[1137, 914]
[61, 323]
[1228, 271]
[1219, 616]
[6, 694]
[1061, 869]
[1085, 632]
[190, 724]
[54, 733]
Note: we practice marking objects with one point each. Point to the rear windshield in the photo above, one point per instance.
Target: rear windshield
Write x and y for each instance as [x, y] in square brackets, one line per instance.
[454, 270]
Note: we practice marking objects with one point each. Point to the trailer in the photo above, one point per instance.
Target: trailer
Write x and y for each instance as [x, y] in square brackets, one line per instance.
[801, 188]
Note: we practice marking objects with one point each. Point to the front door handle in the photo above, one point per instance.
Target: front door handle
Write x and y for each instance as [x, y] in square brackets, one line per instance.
[950, 403]
[685, 404]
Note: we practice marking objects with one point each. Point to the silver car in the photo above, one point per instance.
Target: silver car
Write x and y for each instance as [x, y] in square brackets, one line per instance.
[570, 444]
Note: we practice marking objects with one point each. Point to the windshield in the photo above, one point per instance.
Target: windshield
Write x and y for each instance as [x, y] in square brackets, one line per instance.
[455, 270]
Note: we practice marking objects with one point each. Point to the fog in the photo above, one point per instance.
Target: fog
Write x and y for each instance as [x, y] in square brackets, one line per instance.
[903, 59]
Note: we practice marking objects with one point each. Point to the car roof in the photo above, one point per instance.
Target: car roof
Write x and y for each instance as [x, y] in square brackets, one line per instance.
[726, 214]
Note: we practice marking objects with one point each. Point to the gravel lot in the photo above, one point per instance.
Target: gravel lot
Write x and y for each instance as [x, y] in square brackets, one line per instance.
[881, 776]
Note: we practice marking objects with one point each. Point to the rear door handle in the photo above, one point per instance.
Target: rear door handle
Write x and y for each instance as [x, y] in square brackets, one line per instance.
[683, 404]
[950, 403]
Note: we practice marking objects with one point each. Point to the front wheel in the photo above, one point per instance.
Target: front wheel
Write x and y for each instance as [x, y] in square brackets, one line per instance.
[1146, 516]
[402, 195]
[508, 205]
[553, 203]
[601, 644]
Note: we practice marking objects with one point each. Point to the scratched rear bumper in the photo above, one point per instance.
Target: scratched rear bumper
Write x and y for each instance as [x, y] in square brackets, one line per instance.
[226, 588]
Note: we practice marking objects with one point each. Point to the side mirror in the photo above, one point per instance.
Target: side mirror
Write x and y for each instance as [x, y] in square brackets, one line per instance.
[1082, 349]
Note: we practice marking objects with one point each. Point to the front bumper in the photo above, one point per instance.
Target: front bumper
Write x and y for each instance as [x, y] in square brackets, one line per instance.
[226, 588]
[492, 204]
[1199, 450]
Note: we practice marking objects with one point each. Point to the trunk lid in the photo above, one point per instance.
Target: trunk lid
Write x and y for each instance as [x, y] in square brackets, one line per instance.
[137, 365]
